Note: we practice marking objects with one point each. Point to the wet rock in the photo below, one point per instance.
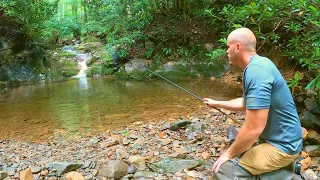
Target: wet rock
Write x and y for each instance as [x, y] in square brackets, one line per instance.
[144, 175]
[170, 66]
[180, 124]
[309, 121]
[136, 65]
[114, 169]
[172, 165]
[313, 138]
[63, 167]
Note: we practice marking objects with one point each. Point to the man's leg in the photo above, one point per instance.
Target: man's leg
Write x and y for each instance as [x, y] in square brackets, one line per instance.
[265, 158]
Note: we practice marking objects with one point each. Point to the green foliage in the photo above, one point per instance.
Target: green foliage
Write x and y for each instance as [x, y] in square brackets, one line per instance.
[294, 82]
[290, 25]
[218, 55]
[94, 70]
[30, 14]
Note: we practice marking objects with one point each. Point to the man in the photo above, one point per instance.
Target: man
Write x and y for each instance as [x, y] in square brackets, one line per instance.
[271, 115]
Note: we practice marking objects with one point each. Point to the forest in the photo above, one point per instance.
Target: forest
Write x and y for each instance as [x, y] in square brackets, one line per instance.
[77, 100]
[157, 30]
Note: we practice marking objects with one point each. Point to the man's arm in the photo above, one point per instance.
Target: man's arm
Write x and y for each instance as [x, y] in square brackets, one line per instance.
[254, 125]
[233, 105]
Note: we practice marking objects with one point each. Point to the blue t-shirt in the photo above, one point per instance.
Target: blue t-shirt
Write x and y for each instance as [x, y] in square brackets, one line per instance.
[264, 87]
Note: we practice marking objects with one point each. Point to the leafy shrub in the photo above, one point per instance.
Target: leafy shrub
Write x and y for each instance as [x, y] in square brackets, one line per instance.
[290, 25]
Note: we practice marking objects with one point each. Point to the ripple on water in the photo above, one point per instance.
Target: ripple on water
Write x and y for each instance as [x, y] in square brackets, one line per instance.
[93, 105]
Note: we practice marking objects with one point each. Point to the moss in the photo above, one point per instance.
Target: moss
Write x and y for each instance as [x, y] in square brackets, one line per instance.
[69, 68]
[89, 39]
[94, 70]
[59, 54]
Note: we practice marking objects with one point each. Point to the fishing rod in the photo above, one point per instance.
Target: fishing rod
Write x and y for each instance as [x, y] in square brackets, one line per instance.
[197, 97]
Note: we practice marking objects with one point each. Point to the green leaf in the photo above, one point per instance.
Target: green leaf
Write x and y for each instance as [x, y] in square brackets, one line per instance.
[312, 83]
[315, 23]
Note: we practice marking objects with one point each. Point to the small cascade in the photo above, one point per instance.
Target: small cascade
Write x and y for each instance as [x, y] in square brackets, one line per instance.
[81, 60]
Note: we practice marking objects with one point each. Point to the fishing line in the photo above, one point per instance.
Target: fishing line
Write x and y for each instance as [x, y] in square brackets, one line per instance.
[197, 97]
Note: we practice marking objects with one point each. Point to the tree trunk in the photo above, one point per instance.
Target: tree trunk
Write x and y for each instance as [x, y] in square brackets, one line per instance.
[85, 16]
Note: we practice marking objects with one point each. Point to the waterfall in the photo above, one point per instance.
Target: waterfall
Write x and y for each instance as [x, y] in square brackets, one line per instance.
[81, 60]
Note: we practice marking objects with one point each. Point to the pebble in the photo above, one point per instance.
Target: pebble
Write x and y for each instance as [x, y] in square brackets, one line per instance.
[139, 140]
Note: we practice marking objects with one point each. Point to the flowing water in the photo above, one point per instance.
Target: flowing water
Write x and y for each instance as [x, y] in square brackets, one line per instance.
[94, 105]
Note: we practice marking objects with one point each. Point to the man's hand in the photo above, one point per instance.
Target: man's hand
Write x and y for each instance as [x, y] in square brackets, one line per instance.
[221, 160]
[209, 102]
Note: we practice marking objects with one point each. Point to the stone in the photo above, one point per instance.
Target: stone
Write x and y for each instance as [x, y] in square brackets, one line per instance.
[195, 128]
[312, 105]
[26, 174]
[180, 124]
[135, 65]
[139, 142]
[3, 174]
[309, 174]
[313, 138]
[137, 160]
[143, 175]
[63, 167]
[114, 169]
[309, 121]
[313, 150]
[173, 165]
[132, 169]
[35, 169]
[74, 176]
[304, 133]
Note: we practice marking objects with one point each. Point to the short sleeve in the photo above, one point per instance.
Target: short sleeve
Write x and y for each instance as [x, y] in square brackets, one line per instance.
[257, 87]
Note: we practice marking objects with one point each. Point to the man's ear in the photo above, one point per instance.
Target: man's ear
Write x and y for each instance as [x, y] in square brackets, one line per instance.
[238, 45]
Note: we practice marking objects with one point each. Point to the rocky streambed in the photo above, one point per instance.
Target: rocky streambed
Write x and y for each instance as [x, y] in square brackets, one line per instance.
[184, 149]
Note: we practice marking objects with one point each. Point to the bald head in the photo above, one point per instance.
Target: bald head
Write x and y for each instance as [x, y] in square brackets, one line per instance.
[245, 37]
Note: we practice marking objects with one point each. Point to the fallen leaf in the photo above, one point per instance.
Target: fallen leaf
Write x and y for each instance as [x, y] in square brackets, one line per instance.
[161, 134]
[205, 155]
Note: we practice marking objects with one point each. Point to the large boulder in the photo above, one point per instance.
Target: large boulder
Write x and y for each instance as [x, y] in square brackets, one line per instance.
[309, 121]
[137, 65]
[312, 105]
[114, 169]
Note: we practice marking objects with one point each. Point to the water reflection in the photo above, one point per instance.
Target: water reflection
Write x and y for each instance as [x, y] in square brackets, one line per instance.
[93, 105]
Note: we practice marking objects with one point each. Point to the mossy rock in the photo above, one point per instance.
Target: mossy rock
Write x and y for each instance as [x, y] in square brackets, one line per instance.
[60, 54]
[69, 68]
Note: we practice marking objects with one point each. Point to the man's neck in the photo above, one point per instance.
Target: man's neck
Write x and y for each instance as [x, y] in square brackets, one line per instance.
[246, 59]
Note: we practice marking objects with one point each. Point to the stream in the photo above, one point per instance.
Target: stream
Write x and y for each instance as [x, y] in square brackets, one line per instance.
[82, 106]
